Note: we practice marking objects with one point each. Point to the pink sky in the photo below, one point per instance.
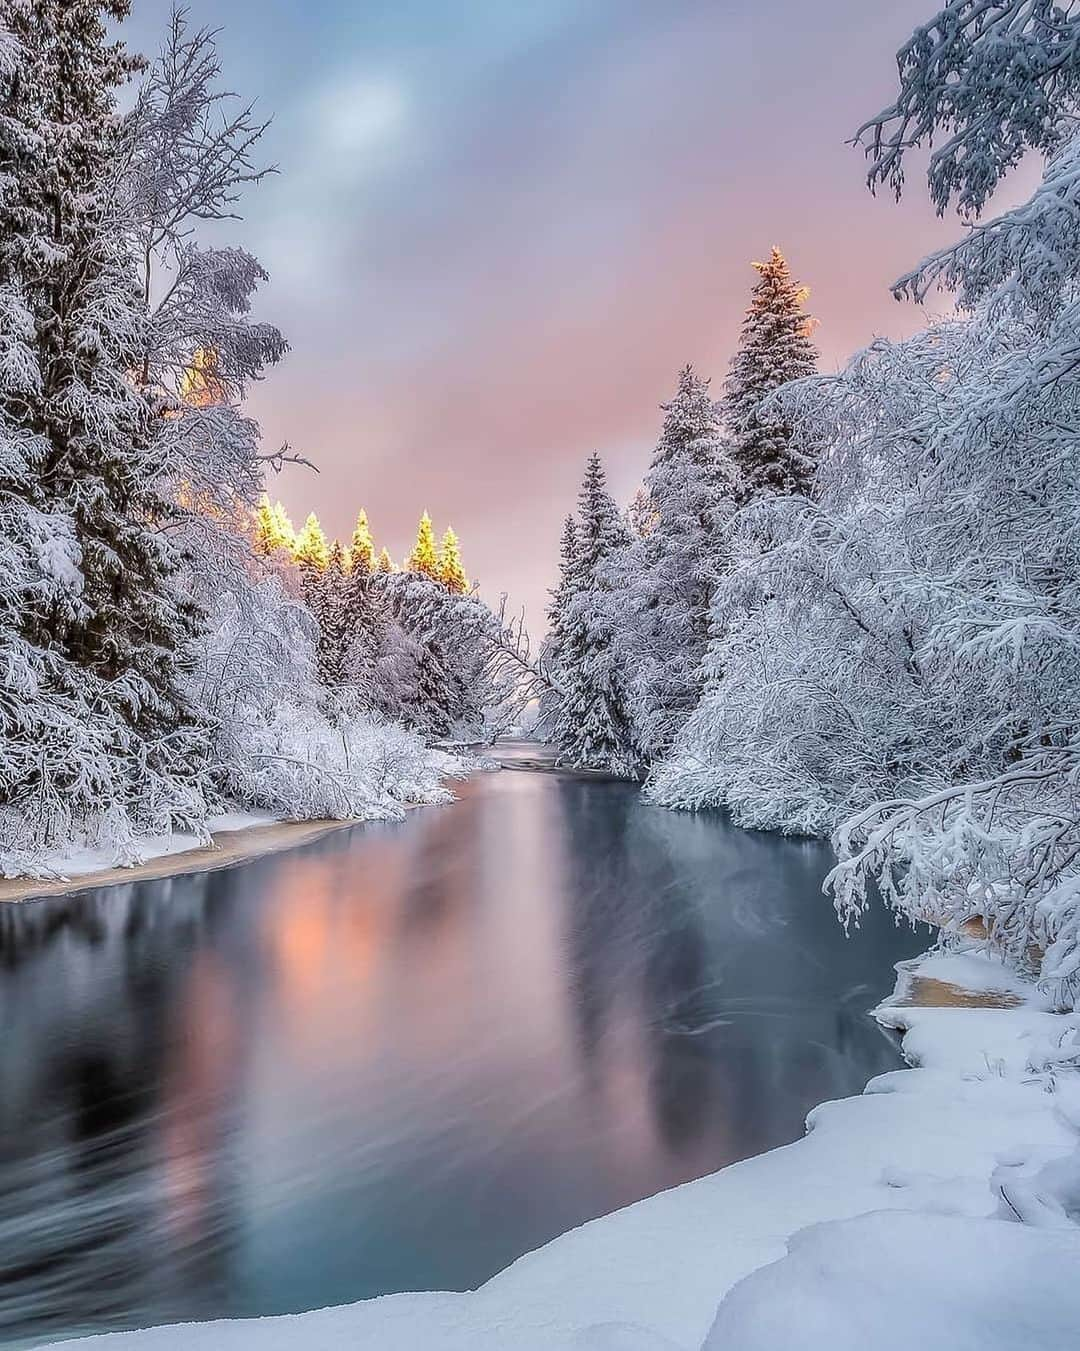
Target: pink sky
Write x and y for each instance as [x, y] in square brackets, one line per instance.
[499, 230]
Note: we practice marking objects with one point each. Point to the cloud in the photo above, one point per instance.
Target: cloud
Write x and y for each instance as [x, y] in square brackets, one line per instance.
[359, 114]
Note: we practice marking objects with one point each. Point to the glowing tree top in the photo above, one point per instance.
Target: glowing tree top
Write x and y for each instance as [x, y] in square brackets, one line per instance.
[272, 533]
[312, 550]
[451, 571]
[424, 558]
[273, 530]
[362, 548]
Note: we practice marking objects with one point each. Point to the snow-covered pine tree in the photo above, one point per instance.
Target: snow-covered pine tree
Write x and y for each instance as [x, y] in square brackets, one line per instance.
[312, 550]
[41, 717]
[385, 564]
[591, 727]
[429, 693]
[775, 348]
[366, 623]
[122, 634]
[451, 570]
[424, 558]
[272, 531]
[332, 617]
[311, 554]
[570, 574]
[551, 653]
[362, 547]
[662, 582]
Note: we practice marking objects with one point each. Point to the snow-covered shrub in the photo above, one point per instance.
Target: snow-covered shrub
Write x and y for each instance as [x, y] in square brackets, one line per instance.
[300, 765]
[1001, 854]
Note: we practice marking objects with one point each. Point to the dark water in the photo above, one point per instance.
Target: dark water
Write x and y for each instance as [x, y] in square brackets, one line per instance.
[400, 1057]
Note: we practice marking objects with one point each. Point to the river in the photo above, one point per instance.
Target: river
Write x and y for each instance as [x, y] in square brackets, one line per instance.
[401, 1056]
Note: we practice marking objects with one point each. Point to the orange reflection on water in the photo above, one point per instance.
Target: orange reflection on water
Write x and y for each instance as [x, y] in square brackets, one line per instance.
[200, 1076]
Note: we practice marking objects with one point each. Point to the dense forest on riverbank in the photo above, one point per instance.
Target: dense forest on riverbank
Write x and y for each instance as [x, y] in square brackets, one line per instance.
[159, 657]
[850, 603]
[840, 604]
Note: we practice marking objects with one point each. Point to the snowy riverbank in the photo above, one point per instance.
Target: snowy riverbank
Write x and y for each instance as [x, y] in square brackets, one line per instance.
[233, 837]
[937, 1209]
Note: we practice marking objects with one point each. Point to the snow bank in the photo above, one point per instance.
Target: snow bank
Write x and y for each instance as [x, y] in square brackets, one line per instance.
[303, 770]
[896, 1282]
[898, 1210]
[983, 1253]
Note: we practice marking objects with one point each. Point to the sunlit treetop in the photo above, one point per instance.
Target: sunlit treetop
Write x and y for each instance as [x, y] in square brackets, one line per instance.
[338, 559]
[272, 530]
[451, 571]
[312, 550]
[424, 558]
[362, 547]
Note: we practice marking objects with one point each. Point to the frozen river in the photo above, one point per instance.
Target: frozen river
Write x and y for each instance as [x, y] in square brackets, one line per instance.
[400, 1057]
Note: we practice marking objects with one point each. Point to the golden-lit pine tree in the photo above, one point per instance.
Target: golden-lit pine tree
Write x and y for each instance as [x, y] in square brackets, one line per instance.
[273, 529]
[283, 528]
[362, 548]
[262, 533]
[451, 571]
[385, 563]
[311, 550]
[424, 558]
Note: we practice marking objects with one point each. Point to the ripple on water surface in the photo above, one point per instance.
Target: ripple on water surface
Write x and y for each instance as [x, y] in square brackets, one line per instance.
[400, 1057]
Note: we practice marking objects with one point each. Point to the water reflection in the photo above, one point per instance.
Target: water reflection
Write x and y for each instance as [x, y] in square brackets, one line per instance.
[401, 1056]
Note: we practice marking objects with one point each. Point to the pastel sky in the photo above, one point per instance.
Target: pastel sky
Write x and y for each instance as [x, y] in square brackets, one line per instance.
[501, 226]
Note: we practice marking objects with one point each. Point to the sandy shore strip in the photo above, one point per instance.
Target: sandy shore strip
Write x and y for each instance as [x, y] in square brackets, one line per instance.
[229, 847]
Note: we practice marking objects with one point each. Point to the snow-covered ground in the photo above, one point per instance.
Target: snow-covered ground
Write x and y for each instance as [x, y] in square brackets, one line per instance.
[386, 785]
[939, 1209]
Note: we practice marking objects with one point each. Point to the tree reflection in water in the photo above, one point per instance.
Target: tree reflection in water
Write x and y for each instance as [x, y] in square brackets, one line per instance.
[403, 1055]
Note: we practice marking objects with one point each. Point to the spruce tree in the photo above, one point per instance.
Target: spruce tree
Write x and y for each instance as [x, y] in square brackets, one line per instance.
[569, 577]
[364, 624]
[551, 653]
[424, 558]
[385, 564]
[451, 571]
[641, 513]
[262, 528]
[283, 532]
[272, 529]
[591, 728]
[331, 614]
[362, 547]
[775, 347]
[312, 550]
[123, 633]
[312, 555]
[666, 577]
